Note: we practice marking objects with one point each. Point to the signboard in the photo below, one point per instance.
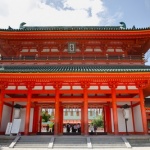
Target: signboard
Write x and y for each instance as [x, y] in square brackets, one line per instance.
[71, 47]
[15, 126]
[8, 129]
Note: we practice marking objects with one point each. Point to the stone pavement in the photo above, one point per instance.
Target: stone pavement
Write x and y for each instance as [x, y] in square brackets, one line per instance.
[102, 142]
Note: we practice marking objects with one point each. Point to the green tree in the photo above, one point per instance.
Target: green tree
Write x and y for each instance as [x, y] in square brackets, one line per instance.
[98, 121]
[45, 116]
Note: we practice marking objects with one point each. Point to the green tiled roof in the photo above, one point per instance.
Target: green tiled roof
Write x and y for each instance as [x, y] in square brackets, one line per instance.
[73, 68]
[72, 28]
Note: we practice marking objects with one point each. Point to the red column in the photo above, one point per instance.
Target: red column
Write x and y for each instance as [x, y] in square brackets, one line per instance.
[57, 113]
[114, 107]
[85, 112]
[11, 115]
[108, 119]
[40, 121]
[1, 105]
[143, 112]
[82, 120]
[28, 107]
[61, 119]
[133, 117]
[35, 119]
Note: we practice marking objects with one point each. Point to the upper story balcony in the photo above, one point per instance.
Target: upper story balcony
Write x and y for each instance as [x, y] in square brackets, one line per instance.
[131, 59]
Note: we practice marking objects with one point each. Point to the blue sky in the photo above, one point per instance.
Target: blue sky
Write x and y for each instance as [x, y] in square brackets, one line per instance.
[133, 12]
[74, 12]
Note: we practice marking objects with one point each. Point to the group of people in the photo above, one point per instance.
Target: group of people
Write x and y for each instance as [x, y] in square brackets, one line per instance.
[93, 128]
[73, 128]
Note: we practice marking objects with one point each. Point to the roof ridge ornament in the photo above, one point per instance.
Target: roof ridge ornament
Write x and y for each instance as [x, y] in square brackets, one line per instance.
[22, 25]
[123, 25]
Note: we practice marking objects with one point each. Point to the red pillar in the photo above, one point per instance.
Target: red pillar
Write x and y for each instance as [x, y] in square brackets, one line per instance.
[85, 112]
[133, 117]
[12, 109]
[28, 107]
[143, 112]
[114, 108]
[57, 113]
[108, 119]
[40, 120]
[82, 120]
[61, 119]
[35, 119]
[1, 105]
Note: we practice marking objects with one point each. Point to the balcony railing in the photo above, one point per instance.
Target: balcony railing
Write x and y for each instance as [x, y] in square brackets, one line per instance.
[72, 58]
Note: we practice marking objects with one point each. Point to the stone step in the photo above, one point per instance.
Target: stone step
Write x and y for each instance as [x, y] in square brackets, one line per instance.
[139, 142]
[33, 142]
[71, 142]
[113, 142]
[6, 141]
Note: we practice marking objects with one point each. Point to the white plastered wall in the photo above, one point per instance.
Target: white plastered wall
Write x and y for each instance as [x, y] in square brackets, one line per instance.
[5, 117]
[138, 119]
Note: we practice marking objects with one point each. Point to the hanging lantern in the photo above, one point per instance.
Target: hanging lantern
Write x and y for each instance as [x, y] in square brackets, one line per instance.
[71, 112]
[66, 112]
[17, 111]
[77, 112]
[46, 112]
[52, 112]
[100, 111]
[91, 112]
[97, 113]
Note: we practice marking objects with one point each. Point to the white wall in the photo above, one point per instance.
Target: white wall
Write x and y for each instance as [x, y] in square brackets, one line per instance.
[138, 119]
[5, 117]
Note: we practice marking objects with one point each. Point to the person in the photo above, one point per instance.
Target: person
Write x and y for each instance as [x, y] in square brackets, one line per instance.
[95, 129]
[78, 128]
[51, 127]
[75, 128]
[91, 128]
[68, 127]
[47, 127]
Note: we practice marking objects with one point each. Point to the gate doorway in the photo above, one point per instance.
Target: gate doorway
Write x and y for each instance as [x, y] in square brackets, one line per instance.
[96, 121]
[71, 119]
[46, 126]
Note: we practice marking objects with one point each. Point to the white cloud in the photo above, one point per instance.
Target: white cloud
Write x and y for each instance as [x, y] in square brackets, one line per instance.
[42, 12]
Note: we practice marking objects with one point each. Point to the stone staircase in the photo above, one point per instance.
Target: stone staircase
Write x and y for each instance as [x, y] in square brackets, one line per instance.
[5, 141]
[107, 142]
[33, 142]
[78, 142]
[70, 142]
[139, 142]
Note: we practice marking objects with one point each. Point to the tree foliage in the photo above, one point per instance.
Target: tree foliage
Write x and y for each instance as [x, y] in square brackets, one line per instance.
[98, 121]
[45, 116]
